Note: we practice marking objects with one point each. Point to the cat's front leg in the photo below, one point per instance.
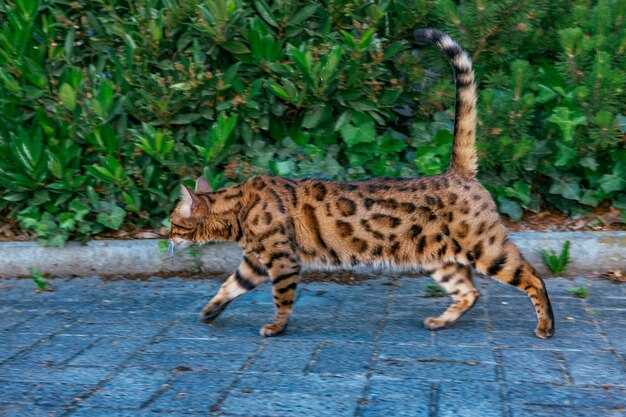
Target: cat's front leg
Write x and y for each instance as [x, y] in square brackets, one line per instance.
[249, 274]
[285, 273]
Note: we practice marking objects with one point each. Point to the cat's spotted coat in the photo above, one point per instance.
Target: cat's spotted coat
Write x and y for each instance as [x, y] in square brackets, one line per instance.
[445, 224]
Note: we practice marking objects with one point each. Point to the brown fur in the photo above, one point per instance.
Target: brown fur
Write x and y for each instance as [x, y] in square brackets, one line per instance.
[446, 224]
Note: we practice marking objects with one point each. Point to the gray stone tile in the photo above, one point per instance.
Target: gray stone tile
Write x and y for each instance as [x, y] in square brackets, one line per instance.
[552, 411]
[52, 374]
[108, 352]
[130, 389]
[532, 365]
[284, 357]
[339, 358]
[571, 396]
[174, 361]
[194, 392]
[40, 394]
[56, 351]
[436, 370]
[595, 368]
[396, 397]
[30, 410]
[298, 395]
[469, 398]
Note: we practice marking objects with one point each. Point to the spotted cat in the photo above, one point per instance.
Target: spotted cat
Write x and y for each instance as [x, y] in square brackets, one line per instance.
[446, 224]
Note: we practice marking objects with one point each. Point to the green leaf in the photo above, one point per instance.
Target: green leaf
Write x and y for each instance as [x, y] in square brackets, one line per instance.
[302, 15]
[520, 190]
[236, 47]
[567, 121]
[265, 12]
[313, 116]
[113, 219]
[185, 119]
[361, 130]
[510, 208]
[616, 181]
[182, 86]
[67, 96]
[564, 154]
[568, 186]
[546, 94]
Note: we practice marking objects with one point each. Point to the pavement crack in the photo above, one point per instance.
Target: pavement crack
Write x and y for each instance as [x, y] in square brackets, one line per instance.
[315, 356]
[119, 368]
[433, 401]
[215, 408]
[375, 351]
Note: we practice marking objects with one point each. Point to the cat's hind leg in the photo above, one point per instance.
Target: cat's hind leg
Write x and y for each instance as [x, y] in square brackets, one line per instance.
[456, 280]
[250, 273]
[505, 263]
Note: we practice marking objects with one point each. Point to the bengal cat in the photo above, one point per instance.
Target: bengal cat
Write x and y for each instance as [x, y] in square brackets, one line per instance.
[444, 224]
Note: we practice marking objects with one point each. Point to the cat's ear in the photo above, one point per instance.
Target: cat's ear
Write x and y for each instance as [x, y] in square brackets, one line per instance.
[203, 186]
[193, 205]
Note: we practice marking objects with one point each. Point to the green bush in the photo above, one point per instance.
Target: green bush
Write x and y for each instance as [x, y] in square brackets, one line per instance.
[106, 106]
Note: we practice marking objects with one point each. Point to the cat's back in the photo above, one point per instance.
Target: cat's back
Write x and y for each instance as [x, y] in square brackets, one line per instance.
[389, 220]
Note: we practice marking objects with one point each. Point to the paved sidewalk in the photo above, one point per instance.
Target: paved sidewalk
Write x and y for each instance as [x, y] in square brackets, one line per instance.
[97, 348]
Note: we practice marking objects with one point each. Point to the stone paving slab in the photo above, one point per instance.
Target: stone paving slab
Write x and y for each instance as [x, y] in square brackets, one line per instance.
[96, 347]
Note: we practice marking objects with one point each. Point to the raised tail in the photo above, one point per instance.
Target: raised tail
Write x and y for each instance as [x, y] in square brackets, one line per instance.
[463, 160]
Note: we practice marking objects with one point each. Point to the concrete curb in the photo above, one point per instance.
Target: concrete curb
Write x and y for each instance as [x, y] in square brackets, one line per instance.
[591, 253]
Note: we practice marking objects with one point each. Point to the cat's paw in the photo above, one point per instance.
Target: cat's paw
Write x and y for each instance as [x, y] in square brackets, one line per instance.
[210, 312]
[436, 323]
[545, 331]
[271, 330]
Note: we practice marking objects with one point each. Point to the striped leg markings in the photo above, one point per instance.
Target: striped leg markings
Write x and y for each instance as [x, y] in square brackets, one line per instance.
[456, 280]
[285, 276]
[249, 274]
[511, 268]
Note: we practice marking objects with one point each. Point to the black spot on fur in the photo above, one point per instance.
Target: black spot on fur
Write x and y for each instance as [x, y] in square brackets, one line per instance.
[391, 221]
[291, 286]
[319, 191]
[345, 229]
[258, 183]
[408, 207]
[415, 231]
[359, 244]
[346, 207]
[421, 244]
[517, 276]
[478, 250]
[497, 265]
[371, 231]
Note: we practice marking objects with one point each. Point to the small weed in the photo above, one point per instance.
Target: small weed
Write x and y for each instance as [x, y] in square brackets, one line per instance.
[557, 263]
[163, 245]
[592, 313]
[38, 277]
[194, 255]
[434, 291]
[579, 292]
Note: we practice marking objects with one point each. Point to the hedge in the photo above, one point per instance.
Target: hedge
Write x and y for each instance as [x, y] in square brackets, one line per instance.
[106, 106]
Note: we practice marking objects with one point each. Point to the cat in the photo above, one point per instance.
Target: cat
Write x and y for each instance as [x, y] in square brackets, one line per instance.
[446, 225]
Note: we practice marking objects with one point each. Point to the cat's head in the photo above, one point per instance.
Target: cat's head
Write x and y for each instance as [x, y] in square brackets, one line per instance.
[189, 215]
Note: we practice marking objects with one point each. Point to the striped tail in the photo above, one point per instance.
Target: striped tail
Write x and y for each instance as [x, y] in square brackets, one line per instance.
[463, 160]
